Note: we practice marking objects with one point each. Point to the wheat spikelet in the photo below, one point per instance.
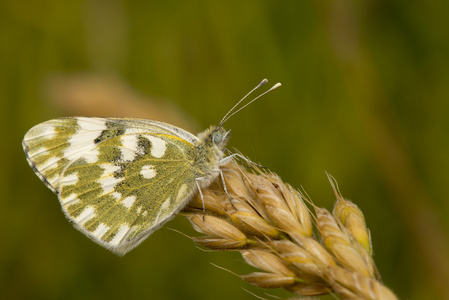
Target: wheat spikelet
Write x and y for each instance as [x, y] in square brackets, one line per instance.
[269, 223]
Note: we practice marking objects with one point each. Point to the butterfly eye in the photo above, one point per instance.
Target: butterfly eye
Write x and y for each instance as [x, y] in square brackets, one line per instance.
[217, 137]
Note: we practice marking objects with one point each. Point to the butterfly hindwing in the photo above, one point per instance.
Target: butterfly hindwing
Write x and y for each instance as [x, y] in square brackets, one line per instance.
[117, 179]
[120, 179]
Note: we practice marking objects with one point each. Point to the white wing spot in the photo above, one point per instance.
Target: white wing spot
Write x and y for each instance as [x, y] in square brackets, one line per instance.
[100, 231]
[70, 200]
[164, 209]
[128, 201]
[49, 132]
[52, 161]
[109, 168]
[158, 146]
[181, 193]
[116, 195]
[148, 172]
[91, 124]
[53, 180]
[133, 130]
[41, 152]
[45, 131]
[91, 156]
[121, 233]
[108, 184]
[87, 214]
[82, 142]
[127, 155]
[166, 204]
[130, 147]
[69, 179]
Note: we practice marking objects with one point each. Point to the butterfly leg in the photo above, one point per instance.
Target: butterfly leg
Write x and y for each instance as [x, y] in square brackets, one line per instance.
[224, 187]
[201, 196]
[240, 157]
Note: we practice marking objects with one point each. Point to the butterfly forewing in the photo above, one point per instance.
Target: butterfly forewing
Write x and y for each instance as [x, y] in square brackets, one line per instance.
[117, 179]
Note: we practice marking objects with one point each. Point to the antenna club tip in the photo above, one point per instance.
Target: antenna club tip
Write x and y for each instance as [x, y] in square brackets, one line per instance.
[274, 86]
[264, 81]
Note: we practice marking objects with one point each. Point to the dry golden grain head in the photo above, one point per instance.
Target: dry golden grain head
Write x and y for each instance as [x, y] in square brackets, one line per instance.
[266, 261]
[294, 201]
[322, 258]
[235, 181]
[306, 289]
[219, 233]
[253, 201]
[299, 208]
[253, 224]
[213, 202]
[344, 209]
[232, 204]
[339, 244]
[299, 257]
[351, 259]
[220, 243]
[353, 285]
[268, 222]
[276, 207]
[350, 216]
[268, 280]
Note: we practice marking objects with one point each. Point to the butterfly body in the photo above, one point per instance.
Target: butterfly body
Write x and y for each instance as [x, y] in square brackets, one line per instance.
[120, 179]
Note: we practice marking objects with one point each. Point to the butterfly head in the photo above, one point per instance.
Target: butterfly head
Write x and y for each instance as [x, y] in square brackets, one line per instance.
[215, 136]
[220, 137]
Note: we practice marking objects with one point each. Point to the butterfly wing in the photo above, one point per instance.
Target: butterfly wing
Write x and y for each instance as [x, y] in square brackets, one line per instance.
[117, 179]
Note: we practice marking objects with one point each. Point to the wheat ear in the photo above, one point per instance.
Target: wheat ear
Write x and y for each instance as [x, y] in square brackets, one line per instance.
[269, 223]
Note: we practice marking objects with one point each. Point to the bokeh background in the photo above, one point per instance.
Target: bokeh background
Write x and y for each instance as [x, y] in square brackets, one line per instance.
[365, 96]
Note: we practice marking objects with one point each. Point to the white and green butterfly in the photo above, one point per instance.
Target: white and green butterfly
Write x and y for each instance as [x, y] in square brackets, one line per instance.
[120, 179]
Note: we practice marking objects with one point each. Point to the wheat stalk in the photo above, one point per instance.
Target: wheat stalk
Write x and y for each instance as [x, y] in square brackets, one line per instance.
[268, 222]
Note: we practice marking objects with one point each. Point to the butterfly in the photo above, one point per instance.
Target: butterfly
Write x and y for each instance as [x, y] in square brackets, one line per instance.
[120, 179]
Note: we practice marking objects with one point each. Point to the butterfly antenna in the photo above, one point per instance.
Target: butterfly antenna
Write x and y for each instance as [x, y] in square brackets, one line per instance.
[263, 82]
[231, 112]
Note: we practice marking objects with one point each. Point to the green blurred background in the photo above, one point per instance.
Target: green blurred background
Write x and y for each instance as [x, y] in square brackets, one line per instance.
[365, 97]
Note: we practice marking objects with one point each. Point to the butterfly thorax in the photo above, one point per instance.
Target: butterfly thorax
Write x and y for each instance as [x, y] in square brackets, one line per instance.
[211, 144]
